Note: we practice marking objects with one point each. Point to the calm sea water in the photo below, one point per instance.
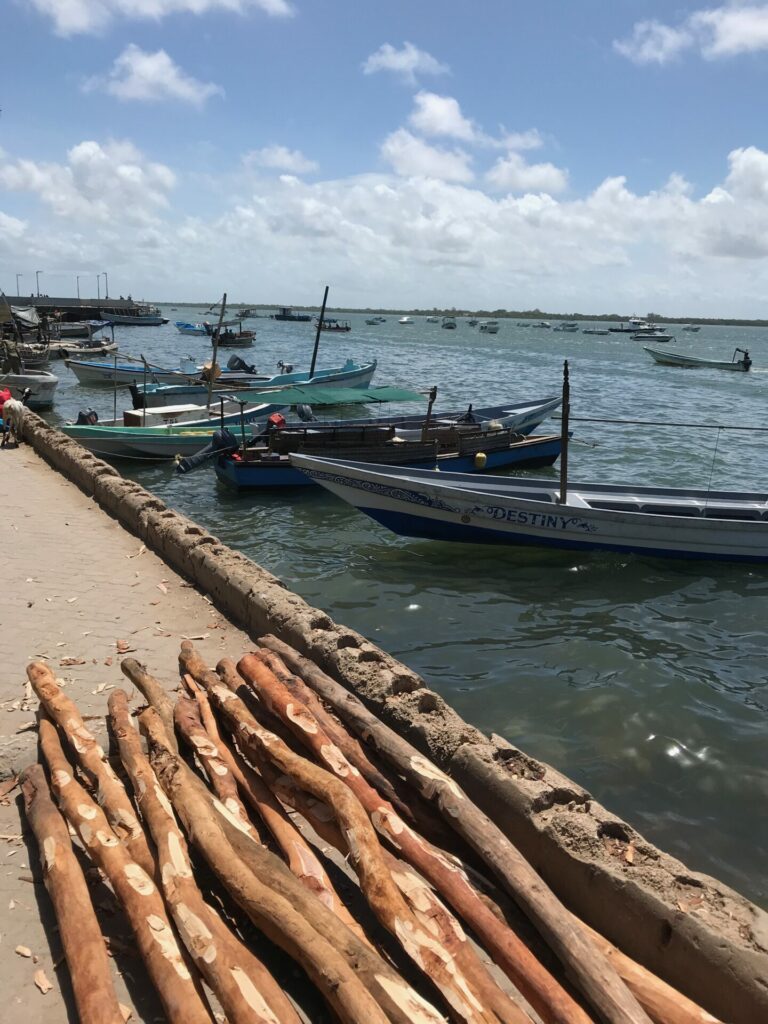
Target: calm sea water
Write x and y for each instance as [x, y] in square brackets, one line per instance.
[645, 680]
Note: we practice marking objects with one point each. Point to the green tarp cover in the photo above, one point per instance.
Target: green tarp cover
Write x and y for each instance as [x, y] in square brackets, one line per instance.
[325, 396]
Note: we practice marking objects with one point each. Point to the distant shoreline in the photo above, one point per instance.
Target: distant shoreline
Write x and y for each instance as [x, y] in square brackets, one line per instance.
[497, 314]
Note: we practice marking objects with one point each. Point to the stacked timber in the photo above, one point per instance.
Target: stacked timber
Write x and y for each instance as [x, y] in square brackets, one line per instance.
[233, 812]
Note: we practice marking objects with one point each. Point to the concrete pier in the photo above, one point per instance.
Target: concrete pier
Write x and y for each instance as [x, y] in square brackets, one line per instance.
[109, 562]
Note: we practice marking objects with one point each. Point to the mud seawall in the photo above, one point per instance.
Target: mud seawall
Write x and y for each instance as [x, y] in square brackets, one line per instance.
[699, 935]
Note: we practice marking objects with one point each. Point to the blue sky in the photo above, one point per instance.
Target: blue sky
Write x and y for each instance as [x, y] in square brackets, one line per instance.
[570, 155]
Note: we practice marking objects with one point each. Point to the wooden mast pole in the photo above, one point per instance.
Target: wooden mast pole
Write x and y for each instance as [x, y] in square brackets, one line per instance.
[216, 349]
[320, 320]
[564, 449]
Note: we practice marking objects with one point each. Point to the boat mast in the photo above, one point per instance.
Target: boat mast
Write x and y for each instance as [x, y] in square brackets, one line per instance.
[563, 499]
[216, 333]
[317, 334]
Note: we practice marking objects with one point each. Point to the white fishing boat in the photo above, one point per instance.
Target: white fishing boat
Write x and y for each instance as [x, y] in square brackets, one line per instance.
[662, 522]
[542, 325]
[40, 384]
[448, 323]
[149, 316]
[84, 349]
[653, 334]
[63, 331]
[488, 327]
[406, 321]
[693, 328]
[601, 331]
[433, 320]
[108, 374]
[568, 327]
[696, 363]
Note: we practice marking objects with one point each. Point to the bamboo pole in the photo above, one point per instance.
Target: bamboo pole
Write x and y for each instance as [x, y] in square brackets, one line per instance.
[596, 978]
[376, 882]
[110, 791]
[133, 887]
[154, 693]
[447, 878]
[79, 931]
[352, 978]
[247, 991]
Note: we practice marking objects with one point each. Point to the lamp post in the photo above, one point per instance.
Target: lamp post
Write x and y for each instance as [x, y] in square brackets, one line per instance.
[37, 281]
[106, 285]
[78, 285]
[18, 293]
[98, 287]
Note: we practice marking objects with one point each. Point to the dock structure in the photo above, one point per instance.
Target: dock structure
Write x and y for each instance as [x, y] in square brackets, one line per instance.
[97, 569]
[72, 309]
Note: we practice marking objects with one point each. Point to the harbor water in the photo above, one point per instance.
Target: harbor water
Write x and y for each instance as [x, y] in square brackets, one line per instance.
[644, 680]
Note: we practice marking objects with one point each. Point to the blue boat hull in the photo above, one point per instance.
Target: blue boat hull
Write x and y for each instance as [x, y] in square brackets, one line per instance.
[247, 476]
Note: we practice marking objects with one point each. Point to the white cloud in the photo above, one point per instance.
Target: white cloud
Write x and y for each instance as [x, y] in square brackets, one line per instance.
[415, 237]
[513, 174]
[151, 78]
[407, 63]
[73, 17]
[530, 139]
[281, 158]
[724, 31]
[440, 115]
[110, 183]
[410, 156]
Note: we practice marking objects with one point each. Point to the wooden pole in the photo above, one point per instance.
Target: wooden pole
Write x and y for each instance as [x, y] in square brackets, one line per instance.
[425, 428]
[110, 790]
[216, 349]
[383, 896]
[272, 898]
[318, 332]
[592, 972]
[133, 887]
[154, 693]
[79, 930]
[247, 991]
[563, 500]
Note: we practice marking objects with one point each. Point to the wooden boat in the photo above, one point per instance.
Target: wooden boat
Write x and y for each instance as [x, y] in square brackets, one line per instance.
[85, 349]
[349, 375]
[150, 318]
[695, 363]
[159, 443]
[654, 334]
[65, 330]
[662, 522]
[458, 448]
[41, 385]
[34, 355]
[108, 374]
[333, 325]
[285, 313]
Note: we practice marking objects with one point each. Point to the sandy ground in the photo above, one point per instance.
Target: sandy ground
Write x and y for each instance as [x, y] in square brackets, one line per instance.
[75, 583]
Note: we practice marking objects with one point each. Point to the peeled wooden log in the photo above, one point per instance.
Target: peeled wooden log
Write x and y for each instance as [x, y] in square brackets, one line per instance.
[110, 791]
[246, 990]
[133, 887]
[447, 878]
[154, 693]
[663, 1003]
[596, 977]
[79, 931]
[384, 898]
[186, 716]
[302, 859]
[351, 977]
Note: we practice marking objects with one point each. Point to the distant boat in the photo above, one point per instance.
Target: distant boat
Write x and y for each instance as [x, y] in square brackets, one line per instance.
[595, 330]
[653, 335]
[285, 313]
[661, 522]
[634, 325]
[373, 322]
[150, 318]
[568, 326]
[473, 322]
[433, 320]
[543, 325]
[695, 363]
[331, 324]
[186, 328]
[693, 328]
[488, 327]
[448, 323]
[406, 321]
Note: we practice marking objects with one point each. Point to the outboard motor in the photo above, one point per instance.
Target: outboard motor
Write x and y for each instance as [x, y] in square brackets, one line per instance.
[223, 442]
[468, 417]
[746, 360]
[305, 414]
[137, 397]
[285, 367]
[87, 418]
[239, 365]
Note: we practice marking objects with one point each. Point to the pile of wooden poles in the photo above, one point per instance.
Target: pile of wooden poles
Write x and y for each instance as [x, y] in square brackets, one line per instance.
[247, 777]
